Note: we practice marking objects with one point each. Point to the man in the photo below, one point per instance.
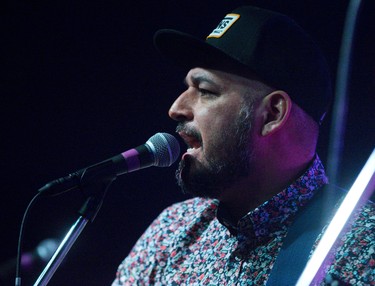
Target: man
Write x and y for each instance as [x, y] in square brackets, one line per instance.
[256, 92]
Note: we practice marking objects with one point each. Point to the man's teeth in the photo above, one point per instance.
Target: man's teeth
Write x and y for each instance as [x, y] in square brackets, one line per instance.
[191, 149]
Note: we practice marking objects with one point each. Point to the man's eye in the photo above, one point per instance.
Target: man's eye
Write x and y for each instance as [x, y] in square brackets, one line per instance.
[205, 92]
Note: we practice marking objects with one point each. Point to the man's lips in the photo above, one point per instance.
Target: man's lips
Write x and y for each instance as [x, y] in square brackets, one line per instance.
[191, 152]
[193, 143]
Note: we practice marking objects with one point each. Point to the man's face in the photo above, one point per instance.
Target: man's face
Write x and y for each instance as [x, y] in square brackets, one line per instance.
[215, 121]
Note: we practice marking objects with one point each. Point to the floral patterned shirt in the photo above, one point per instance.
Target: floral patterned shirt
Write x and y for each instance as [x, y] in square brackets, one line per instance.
[194, 242]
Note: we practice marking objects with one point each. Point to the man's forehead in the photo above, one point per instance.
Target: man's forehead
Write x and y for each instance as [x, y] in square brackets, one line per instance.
[197, 75]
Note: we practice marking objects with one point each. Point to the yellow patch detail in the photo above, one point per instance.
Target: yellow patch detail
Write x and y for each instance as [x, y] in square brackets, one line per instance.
[224, 25]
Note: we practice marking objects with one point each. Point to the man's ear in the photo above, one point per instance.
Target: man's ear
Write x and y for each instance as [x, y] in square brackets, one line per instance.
[277, 106]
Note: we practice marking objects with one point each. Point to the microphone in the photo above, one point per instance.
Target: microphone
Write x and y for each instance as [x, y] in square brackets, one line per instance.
[161, 150]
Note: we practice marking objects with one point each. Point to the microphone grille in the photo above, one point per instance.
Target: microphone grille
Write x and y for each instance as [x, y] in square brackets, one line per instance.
[165, 149]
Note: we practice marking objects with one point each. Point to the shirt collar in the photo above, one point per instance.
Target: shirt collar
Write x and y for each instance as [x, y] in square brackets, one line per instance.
[273, 216]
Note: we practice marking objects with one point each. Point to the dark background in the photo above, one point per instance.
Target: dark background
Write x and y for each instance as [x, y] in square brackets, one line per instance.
[81, 82]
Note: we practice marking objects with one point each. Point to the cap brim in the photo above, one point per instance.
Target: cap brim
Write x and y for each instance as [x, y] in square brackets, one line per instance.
[189, 52]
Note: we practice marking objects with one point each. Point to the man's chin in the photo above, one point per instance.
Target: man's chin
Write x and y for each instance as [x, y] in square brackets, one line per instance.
[182, 176]
[197, 180]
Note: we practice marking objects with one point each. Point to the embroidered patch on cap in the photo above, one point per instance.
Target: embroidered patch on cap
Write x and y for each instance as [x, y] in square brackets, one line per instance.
[224, 25]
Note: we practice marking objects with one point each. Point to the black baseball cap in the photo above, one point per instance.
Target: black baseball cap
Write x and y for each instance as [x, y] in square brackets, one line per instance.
[251, 40]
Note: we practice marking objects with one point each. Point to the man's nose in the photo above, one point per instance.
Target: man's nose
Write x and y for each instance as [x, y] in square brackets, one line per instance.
[182, 108]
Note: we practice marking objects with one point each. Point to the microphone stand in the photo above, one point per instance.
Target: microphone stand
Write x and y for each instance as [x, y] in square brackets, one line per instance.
[88, 212]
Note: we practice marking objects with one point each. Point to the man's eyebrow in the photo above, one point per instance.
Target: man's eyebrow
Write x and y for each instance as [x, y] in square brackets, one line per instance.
[197, 79]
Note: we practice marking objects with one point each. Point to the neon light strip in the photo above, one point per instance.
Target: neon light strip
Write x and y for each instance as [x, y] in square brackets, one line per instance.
[362, 183]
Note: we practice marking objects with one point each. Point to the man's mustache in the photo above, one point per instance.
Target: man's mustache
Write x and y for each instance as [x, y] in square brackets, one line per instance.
[190, 131]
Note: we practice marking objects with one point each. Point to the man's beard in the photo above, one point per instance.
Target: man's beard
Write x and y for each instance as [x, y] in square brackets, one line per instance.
[221, 169]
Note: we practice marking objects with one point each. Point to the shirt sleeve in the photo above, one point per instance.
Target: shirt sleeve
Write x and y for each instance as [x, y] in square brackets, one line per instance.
[354, 262]
[148, 260]
[137, 267]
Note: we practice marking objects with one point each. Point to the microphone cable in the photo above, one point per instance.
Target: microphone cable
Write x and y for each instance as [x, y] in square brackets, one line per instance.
[20, 239]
